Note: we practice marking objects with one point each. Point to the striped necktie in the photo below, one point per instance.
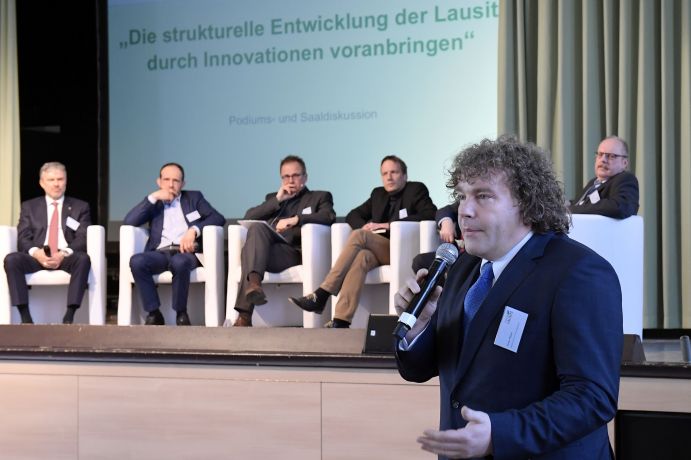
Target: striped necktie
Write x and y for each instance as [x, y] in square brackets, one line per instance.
[590, 190]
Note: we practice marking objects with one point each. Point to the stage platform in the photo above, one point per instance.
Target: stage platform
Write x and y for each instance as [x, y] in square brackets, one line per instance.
[192, 345]
[197, 392]
[288, 346]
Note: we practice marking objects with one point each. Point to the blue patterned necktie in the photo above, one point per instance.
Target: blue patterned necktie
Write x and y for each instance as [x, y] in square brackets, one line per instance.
[476, 295]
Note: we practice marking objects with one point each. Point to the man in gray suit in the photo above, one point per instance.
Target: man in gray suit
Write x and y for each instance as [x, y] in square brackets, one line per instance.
[286, 211]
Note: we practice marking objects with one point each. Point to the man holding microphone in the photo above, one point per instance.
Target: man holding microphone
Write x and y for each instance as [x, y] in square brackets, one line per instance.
[526, 335]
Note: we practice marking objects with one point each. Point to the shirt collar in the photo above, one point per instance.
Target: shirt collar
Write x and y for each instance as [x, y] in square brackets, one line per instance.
[49, 200]
[174, 203]
[500, 264]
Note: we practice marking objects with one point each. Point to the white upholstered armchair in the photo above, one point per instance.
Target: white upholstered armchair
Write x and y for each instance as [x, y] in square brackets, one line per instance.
[205, 307]
[48, 288]
[382, 283]
[620, 241]
[316, 261]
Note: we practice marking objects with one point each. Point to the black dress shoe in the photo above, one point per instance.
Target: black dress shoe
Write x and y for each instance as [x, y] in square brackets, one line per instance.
[155, 318]
[69, 315]
[255, 295]
[182, 319]
[24, 313]
[310, 303]
[337, 324]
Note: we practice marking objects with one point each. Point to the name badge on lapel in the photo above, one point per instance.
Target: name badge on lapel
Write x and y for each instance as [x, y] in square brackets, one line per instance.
[511, 329]
[594, 197]
[307, 210]
[403, 213]
[72, 223]
[192, 216]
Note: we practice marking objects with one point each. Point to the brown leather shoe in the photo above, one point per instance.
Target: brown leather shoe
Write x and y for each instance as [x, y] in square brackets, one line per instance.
[254, 294]
[243, 320]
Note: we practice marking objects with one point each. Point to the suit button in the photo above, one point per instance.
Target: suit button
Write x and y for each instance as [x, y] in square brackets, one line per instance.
[455, 404]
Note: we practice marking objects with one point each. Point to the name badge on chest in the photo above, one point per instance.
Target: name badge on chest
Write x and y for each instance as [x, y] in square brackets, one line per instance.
[511, 329]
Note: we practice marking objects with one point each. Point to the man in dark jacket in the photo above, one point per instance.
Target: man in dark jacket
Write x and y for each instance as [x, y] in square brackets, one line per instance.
[368, 244]
[613, 192]
[526, 335]
[51, 235]
[276, 246]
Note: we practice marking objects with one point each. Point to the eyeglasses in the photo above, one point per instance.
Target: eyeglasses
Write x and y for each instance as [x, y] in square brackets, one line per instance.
[287, 177]
[610, 156]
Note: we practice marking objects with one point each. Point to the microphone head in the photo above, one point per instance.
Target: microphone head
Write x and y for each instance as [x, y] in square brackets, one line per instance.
[447, 252]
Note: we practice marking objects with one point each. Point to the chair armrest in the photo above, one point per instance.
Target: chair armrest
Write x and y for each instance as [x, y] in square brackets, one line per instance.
[8, 240]
[405, 244]
[429, 236]
[132, 241]
[96, 249]
[339, 236]
[237, 234]
[96, 242]
[213, 247]
[316, 254]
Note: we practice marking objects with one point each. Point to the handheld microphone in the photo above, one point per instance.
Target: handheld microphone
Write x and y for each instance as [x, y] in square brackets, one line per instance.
[445, 256]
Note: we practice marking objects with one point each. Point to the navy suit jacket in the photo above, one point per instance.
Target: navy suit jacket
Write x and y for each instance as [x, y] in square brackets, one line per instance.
[33, 223]
[618, 197]
[414, 199]
[152, 214]
[552, 398]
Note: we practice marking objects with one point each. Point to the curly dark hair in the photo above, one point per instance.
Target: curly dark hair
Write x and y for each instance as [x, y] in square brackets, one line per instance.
[529, 176]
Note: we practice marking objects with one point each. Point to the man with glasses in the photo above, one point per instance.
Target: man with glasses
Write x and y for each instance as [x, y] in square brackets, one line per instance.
[265, 249]
[613, 192]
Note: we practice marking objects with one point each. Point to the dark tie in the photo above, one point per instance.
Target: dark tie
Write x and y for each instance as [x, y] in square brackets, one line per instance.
[476, 295]
[53, 230]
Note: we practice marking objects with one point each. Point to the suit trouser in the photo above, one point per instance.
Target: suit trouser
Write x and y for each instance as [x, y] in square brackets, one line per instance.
[363, 251]
[263, 251]
[18, 264]
[149, 263]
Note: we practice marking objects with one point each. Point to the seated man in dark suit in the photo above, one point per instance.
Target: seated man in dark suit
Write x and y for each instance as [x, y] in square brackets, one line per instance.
[613, 192]
[368, 244]
[527, 336]
[287, 210]
[449, 232]
[175, 218]
[51, 235]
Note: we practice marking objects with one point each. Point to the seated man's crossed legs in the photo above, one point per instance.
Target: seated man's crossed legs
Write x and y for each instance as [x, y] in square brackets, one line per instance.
[363, 251]
[263, 251]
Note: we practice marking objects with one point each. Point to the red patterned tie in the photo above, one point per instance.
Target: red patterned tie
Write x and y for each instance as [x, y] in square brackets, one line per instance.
[53, 230]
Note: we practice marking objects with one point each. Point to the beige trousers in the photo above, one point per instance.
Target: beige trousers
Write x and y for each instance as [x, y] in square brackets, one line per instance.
[363, 251]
